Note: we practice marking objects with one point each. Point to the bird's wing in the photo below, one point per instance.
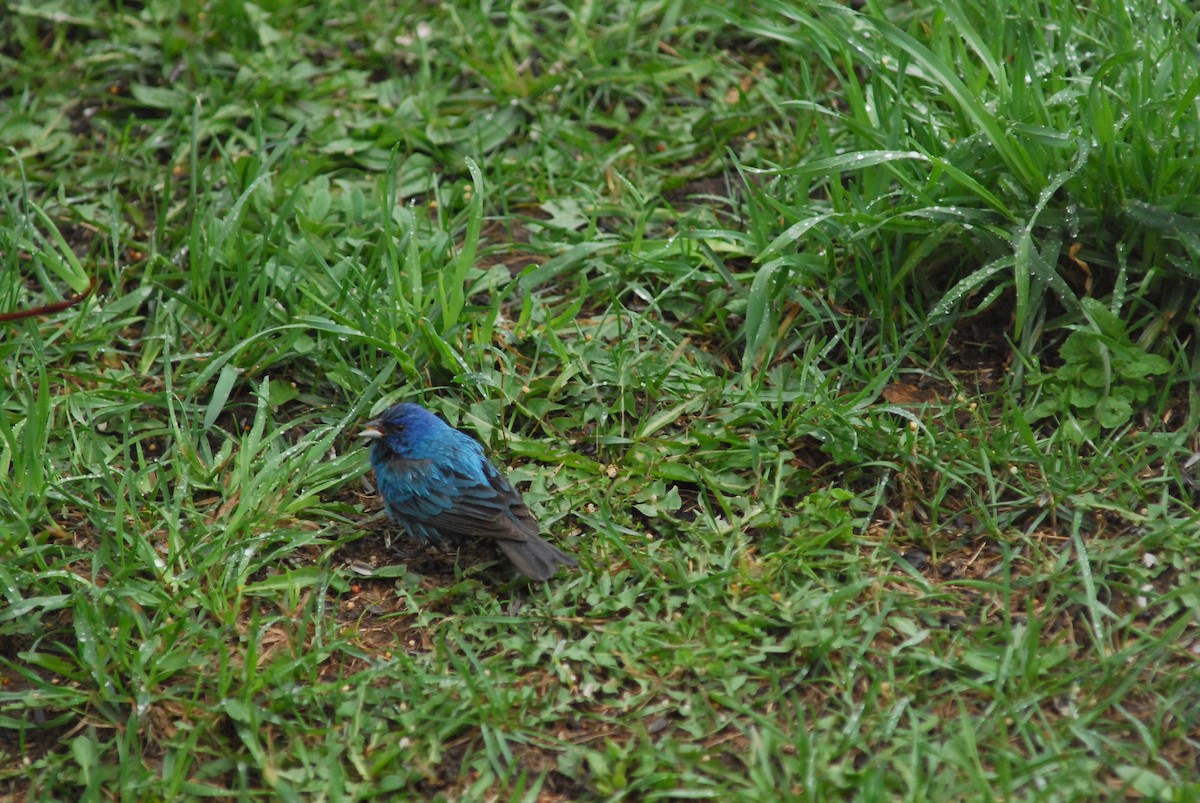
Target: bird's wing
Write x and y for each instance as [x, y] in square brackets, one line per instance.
[453, 502]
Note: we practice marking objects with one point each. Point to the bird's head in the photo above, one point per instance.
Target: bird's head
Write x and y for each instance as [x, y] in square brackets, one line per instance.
[402, 428]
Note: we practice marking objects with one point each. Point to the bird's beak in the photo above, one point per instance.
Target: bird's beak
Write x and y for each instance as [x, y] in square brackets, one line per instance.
[373, 430]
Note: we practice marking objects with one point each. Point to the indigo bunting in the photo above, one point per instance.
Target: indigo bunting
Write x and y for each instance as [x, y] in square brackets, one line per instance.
[436, 481]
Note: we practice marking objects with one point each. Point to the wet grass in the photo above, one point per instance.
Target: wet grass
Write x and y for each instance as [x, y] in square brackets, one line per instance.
[851, 353]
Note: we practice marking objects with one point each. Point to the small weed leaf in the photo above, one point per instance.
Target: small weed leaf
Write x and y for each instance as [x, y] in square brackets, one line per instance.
[1104, 375]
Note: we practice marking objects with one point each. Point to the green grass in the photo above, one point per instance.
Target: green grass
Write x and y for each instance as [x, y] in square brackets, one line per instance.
[851, 352]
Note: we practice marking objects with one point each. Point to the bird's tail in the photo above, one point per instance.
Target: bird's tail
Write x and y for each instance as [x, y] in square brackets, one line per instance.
[535, 557]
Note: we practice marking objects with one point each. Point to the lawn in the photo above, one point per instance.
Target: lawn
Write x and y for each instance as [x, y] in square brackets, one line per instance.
[850, 348]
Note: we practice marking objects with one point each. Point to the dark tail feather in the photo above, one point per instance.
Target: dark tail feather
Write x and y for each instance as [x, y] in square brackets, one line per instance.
[535, 558]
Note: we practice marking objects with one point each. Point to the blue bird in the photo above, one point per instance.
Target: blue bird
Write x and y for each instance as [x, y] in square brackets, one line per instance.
[437, 483]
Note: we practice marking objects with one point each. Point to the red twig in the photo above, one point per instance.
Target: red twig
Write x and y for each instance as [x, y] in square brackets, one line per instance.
[46, 309]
